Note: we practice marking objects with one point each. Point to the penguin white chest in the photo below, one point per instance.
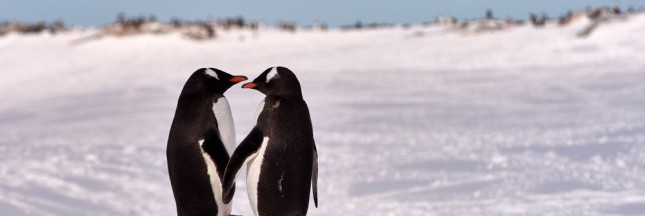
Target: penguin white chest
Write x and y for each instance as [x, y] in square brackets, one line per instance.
[253, 175]
[222, 111]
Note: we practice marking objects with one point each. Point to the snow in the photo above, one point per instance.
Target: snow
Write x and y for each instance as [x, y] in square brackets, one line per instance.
[416, 121]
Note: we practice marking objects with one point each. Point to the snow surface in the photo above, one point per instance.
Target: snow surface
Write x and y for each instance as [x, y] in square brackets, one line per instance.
[418, 121]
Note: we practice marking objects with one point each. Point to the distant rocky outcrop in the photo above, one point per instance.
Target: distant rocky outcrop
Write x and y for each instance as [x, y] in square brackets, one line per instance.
[599, 16]
[365, 26]
[31, 28]
[489, 23]
[205, 30]
[196, 30]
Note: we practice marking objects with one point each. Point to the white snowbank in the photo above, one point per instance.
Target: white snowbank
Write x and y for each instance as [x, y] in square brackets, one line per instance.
[419, 121]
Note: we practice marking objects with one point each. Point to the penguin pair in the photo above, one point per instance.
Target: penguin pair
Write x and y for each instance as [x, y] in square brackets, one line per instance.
[280, 149]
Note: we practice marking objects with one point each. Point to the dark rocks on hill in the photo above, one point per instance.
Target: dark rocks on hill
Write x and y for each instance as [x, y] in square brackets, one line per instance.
[32, 28]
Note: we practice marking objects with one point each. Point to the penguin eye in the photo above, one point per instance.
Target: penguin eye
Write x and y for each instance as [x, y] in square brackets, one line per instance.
[212, 73]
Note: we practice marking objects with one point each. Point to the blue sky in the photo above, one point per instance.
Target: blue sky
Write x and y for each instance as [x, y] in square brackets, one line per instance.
[333, 12]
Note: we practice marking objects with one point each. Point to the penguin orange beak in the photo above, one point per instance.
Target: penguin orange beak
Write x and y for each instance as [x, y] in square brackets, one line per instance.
[250, 85]
[237, 79]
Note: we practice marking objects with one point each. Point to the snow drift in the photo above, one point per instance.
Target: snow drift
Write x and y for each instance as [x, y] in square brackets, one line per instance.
[414, 121]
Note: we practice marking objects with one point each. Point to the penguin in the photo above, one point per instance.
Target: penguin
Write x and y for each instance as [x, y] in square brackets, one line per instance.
[280, 152]
[201, 140]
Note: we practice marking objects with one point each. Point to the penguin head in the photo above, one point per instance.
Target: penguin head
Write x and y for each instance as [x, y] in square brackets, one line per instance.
[276, 81]
[212, 80]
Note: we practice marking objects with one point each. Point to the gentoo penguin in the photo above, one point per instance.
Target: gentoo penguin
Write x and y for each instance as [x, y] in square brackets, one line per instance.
[201, 140]
[280, 149]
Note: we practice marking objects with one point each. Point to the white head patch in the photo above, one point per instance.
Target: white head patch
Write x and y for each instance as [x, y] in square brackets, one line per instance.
[272, 74]
[212, 73]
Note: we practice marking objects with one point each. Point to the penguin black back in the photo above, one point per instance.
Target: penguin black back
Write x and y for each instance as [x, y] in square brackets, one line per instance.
[197, 144]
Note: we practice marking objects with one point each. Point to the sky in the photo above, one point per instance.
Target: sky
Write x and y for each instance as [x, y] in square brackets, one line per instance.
[332, 12]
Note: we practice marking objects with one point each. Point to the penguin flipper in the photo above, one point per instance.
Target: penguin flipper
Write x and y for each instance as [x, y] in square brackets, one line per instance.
[314, 176]
[214, 147]
[242, 154]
